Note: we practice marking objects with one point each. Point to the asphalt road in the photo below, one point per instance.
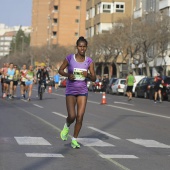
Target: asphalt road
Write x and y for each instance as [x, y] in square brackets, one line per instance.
[119, 135]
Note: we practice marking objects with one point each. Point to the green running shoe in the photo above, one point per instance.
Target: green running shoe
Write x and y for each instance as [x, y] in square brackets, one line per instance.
[75, 144]
[64, 133]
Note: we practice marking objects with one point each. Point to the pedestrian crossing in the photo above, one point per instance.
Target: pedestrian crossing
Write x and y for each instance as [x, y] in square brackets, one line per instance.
[87, 142]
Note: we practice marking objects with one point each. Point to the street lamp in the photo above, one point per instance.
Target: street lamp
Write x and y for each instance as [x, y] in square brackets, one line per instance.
[22, 43]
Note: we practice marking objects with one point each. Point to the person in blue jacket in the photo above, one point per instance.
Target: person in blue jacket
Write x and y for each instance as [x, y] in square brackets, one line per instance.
[56, 80]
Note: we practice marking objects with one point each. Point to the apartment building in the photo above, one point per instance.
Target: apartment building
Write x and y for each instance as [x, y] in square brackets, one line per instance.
[143, 8]
[5, 43]
[57, 22]
[103, 15]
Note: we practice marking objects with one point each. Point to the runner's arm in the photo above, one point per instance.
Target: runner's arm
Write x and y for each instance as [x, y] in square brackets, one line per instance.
[92, 75]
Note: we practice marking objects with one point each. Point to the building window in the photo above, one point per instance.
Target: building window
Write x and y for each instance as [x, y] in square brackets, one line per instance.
[54, 34]
[120, 7]
[55, 8]
[55, 21]
[106, 8]
[77, 20]
[76, 34]
[77, 7]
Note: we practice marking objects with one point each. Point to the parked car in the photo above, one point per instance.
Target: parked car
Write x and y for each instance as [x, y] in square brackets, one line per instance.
[96, 86]
[51, 82]
[118, 86]
[109, 85]
[63, 83]
[165, 89]
[137, 79]
[141, 89]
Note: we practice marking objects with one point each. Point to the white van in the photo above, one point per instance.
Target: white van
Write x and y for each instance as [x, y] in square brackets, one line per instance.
[137, 78]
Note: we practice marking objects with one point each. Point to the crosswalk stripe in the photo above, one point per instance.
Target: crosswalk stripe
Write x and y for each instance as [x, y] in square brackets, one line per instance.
[93, 142]
[149, 143]
[118, 156]
[31, 141]
[44, 155]
[105, 133]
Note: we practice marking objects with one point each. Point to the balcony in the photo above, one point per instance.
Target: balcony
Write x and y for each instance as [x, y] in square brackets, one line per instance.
[164, 4]
[138, 13]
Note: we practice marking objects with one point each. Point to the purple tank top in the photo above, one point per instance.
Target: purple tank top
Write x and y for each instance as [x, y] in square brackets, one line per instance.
[79, 86]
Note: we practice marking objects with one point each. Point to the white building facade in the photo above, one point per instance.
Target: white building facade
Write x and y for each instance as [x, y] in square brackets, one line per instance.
[6, 36]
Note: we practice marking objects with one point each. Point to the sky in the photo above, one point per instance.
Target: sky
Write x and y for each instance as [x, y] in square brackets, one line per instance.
[16, 12]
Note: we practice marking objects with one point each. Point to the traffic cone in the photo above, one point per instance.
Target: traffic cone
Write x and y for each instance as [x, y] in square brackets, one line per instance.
[104, 98]
[49, 89]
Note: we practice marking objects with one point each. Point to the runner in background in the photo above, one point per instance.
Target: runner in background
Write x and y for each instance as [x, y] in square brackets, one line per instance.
[3, 80]
[158, 87]
[23, 80]
[29, 82]
[78, 66]
[56, 80]
[130, 80]
[16, 79]
[9, 80]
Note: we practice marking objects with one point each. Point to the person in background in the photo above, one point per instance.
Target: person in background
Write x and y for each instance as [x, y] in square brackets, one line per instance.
[29, 82]
[78, 66]
[10, 77]
[56, 80]
[16, 79]
[130, 80]
[158, 87]
[105, 81]
[3, 79]
[42, 76]
[23, 72]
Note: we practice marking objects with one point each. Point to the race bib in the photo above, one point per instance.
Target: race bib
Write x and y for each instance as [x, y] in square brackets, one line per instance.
[78, 73]
[10, 77]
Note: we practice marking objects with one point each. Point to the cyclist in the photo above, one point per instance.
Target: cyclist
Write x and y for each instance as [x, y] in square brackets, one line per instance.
[42, 77]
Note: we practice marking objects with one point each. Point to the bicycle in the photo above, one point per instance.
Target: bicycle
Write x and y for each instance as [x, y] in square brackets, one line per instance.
[41, 90]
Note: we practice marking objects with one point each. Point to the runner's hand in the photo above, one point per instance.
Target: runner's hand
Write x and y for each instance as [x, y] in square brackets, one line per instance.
[71, 77]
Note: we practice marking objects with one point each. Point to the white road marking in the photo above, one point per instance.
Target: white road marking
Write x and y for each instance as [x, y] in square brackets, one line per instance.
[124, 103]
[149, 143]
[59, 130]
[59, 114]
[31, 141]
[58, 94]
[138, 111]
[38, 105]
[93, 142]
[105, 133]
[118, 156]
[44, 155]
[24, 100]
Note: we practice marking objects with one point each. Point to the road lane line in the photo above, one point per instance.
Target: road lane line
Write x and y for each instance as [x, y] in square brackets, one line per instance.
[38, 106]
[149, 143]
[138, 111]
[124, 103]
[31, 141]
[24, 100]
[59, 114]
[118, 156]
[102, 132]
[59, 130]
[44, 155]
